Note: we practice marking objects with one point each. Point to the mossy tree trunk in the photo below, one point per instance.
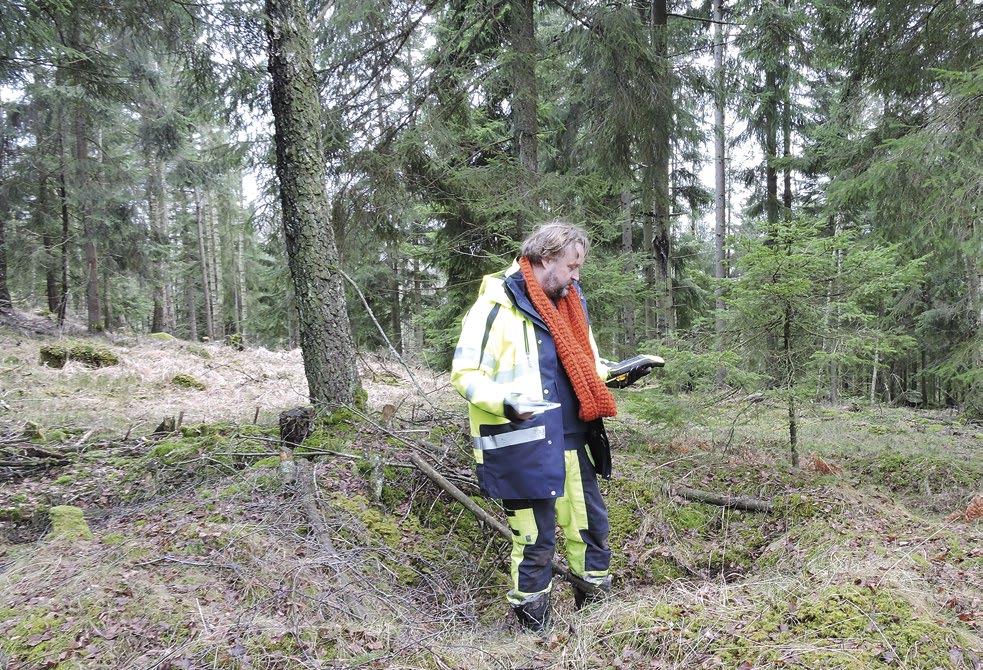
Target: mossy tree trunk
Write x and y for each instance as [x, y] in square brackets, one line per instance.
[524, 107]
[325, 331]
[5, 303]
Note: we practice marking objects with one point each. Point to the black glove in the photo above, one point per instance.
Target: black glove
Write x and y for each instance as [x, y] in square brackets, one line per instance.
[630, 370]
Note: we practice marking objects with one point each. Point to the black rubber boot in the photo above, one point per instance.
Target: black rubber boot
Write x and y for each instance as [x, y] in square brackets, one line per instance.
[535, 615]
[587, 593]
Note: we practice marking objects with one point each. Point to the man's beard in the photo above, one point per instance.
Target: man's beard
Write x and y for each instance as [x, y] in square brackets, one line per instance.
[553, 289]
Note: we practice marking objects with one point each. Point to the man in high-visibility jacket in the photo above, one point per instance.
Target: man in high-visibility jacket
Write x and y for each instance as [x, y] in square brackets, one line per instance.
[527, 363]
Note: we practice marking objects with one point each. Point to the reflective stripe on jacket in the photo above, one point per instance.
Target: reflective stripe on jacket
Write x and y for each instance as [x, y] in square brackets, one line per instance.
[505, 347]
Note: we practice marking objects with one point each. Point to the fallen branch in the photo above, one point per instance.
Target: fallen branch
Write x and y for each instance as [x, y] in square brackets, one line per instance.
[478, 511]
[307, 494]
[719, 499]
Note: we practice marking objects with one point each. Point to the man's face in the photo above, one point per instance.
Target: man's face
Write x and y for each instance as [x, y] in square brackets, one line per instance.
[558, 274]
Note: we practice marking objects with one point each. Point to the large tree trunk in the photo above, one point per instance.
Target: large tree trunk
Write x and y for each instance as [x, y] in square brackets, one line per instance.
[524, 107]
[719, 201]
[325, 331]
[5, 302]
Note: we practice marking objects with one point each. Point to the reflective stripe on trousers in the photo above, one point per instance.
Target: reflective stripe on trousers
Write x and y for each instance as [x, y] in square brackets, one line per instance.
[582, 515]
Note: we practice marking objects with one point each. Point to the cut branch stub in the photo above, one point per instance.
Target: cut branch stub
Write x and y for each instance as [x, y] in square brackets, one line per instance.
[295, 426]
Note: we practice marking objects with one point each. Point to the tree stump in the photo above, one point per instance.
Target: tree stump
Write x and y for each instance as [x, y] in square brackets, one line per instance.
[295, 425]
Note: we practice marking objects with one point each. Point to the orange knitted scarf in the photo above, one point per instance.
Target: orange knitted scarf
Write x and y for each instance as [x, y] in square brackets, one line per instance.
[568, 326]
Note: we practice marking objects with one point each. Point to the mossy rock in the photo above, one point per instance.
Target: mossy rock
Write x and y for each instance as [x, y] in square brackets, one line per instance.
[186, 381]
[162, 337]
[56, 355]
[68, 523]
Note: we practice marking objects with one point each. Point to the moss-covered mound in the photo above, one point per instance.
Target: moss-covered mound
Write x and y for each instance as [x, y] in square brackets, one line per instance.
[57, 354]
[186, 381]
[68, 523]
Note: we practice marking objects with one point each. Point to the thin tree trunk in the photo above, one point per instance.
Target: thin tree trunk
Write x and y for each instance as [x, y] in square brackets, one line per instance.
[793, 432]
[649, 309]
[156, 250]
[240, 281]
[787, 195]
[215, 265]
[873, 376]
[63, 198]
[629, 339]
[662, 155]
[189, 297]
[524, 107]
[926, 398]
[88, 227]
[42, 210]
[396, 305]
[771, 144]
[719, 201]
[203, 265]
[107, 312]
[325, 331]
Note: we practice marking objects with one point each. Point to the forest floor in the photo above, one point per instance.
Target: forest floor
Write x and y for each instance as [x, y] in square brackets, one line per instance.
[195, 554]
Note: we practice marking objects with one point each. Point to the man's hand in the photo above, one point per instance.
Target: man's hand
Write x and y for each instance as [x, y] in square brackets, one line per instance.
[521, 408]
[630, 370]
[511, 410]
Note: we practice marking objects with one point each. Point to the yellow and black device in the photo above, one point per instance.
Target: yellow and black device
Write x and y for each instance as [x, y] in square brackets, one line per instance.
[627, 372]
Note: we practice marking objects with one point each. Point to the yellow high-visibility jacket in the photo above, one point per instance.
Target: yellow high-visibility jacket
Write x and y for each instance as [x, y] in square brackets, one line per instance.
[505, 347]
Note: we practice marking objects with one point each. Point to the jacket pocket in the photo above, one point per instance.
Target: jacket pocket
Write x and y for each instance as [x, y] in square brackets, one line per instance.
[518, 460]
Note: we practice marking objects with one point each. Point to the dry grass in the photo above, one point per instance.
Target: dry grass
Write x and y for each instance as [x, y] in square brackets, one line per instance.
[139, 391]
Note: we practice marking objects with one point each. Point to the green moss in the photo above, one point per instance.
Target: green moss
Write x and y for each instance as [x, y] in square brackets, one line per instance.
[68, 523]
[382, 527]
[361, 398]
[39, 636]
[199, 351]
[162, 337]
[57, 354]
[183, 380]
[688, 516]
[874, 622]
[173, 451]
[911, 473]
[113, 539]
[796, 507]
[235, 341]
[15, 514]
[268, 462]
[65, 479]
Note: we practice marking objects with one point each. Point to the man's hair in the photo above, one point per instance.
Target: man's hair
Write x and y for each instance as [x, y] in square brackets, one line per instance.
[550, 239]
